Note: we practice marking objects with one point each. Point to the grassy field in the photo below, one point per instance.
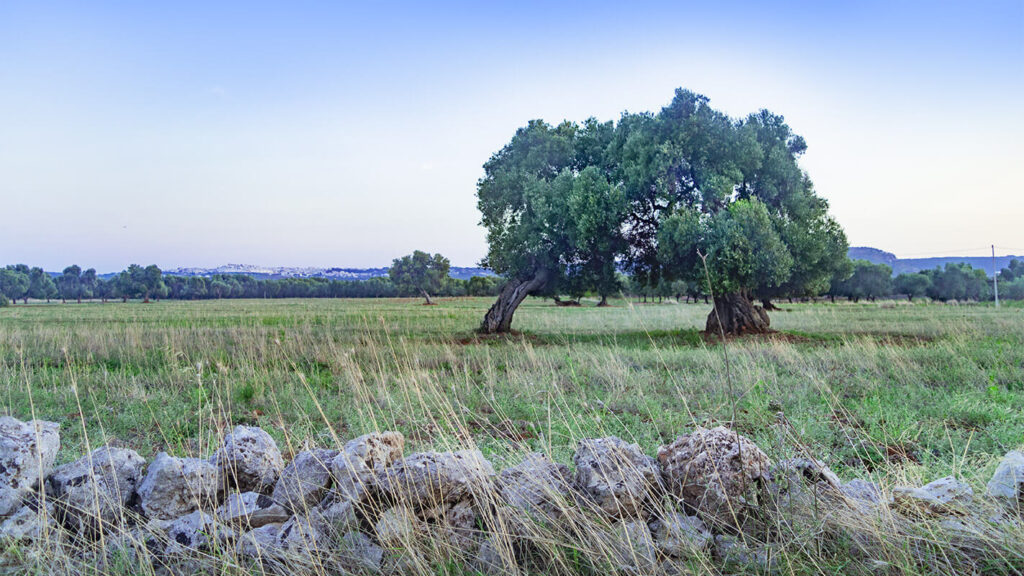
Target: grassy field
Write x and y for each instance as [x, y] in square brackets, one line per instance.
[895, 392]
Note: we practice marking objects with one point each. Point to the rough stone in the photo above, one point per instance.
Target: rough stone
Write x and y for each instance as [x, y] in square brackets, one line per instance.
[251, 510]
[10, 500]
[340, 515]
[396, 527]
[941, 497]
[305, 535]
[679, 535]
[862, 491]
[28, 523]
[633, 547]
[537, 486]
[96, 486]
[715, 472]
[1007, 484]
[616, 476]
[356, 467]
[305, 481]
[359, 554]
[260, 542]
[734, 553]
[459, 525]
[495, 558]
[195, 531]
[27, 451]
[428, 480]
[249, 460]
[174, 487]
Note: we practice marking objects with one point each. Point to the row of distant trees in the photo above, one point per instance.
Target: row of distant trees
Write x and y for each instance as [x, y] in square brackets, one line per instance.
[20, 283]
[426, 275]
[952, 282]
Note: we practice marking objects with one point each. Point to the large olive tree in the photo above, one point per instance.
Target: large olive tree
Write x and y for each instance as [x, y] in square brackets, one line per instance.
[685, 194]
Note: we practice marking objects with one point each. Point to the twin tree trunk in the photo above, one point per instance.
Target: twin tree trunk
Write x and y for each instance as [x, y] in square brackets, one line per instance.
[735, 315]
[499, 318]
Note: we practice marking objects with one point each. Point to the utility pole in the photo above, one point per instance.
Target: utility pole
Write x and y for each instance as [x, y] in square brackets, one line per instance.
[995, 282]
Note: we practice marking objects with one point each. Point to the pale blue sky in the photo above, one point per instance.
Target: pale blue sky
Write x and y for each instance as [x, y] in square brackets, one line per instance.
[306, 133]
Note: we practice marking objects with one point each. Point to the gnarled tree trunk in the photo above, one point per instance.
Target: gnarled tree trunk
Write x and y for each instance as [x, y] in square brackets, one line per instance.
[604, 302]
[428, 302]
[735, 314]
[499, 316]
[767, 304]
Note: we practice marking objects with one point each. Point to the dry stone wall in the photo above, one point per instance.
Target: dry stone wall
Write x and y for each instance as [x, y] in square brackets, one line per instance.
[364, 508]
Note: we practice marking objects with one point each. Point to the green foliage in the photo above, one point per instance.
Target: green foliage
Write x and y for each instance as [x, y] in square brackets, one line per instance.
[14, 281]
[646, 194]
[912, 285]
[868, 280]
[958, 282]
[743, 250]
[419, 272]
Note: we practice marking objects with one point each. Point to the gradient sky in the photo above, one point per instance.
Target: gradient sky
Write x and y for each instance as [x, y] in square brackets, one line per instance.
[325, 134]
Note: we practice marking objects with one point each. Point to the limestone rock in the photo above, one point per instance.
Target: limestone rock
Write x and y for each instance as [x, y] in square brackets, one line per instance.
[616, 476]
[27, 451]
[174, 487]
[633, 547]
[734, 553]
[941, 497]
[251, 510]
[195, 531]
[1007, 484]
[304, 482]
[862, 494]
[536, 485]
[30, 522]
[679, 535]
[96, 486]
[429, 480]
[356, 467]
[340, 515]
[495, 558]
[396, 527]
[305, 535]
[459, 526]
[249, 460]
[10, 500]
[359, 554]
[715, 472]
[260, 542]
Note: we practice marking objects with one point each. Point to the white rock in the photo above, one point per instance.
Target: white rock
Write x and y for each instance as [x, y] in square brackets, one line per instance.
[249, 460]
[251, 510]
[28, 523]
[1007, 484]
[175, 487]
[616, 476]
[304, 482]
[96, 487]
[356, 467]
[680, 536]
[430, 480]
[943, 496]
[27, 451]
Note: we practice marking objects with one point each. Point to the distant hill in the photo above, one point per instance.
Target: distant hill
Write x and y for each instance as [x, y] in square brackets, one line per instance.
[908, 265]
[274, 272]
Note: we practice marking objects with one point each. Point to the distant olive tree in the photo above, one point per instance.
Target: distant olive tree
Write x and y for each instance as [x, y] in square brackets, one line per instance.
[420, 272]
[912, 285]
